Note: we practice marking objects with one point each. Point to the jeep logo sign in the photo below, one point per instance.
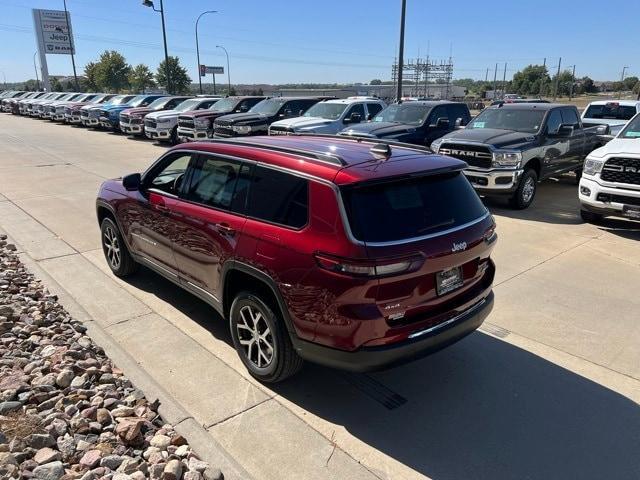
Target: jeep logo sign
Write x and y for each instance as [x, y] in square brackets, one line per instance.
[458, 247]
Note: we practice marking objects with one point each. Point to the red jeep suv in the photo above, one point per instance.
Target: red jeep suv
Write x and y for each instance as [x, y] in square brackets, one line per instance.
[346, 252]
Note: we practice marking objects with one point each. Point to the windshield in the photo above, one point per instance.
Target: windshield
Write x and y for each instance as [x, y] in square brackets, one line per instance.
[632, 130]
[525, 121]
[189, 105]
[224, 105]
[411, 208]
[120, 99]
[268, 107]
[403, 113]
[331, 111]
[98, 98]
[136, 101]
[159, 103]
[610, 111]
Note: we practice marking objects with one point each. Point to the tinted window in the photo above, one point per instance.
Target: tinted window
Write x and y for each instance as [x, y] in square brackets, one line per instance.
[373, 108]
[458, 111]
[214, 183]
[411, 208]
[554, 121]
[278, 197]
[569, 117]
[438, 112]
[296, 108]
[357, 108]
[168, 175]
[611, 111]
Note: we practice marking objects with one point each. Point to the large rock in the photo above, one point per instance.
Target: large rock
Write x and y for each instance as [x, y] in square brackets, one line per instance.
[48, 471]
[173, 470]
[160, 441]
[47, 455]
[8, 407]
[63, 380]
[40, 440]
[91, 458]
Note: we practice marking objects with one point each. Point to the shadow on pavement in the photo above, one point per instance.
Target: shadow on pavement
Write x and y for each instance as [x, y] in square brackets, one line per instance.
[481, 409]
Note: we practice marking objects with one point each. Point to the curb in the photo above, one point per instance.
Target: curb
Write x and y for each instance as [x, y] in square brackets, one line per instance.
[205, 446]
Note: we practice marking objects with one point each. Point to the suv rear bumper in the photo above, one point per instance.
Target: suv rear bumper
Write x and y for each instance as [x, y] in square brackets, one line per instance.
[377, 358]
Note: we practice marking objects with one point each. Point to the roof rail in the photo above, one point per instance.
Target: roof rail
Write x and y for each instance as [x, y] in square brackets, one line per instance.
[331, 158]
[372, 140]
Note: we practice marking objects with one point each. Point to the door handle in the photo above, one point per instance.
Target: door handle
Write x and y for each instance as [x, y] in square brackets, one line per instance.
[225, 228]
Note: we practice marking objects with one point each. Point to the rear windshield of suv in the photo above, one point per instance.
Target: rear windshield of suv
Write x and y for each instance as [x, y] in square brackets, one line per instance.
[610, 111]
[411, 208]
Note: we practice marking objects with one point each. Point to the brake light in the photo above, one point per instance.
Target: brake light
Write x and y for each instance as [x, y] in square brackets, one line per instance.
[490, 235]
[369, 268]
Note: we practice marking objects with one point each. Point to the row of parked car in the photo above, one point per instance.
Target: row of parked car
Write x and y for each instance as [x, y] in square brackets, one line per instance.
[509, 147]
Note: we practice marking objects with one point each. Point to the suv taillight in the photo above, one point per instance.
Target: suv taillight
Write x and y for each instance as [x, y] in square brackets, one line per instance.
[369, 268]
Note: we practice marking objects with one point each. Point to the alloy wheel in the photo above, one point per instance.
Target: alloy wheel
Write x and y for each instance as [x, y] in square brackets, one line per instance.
[112, 246]
[528, 190]
[255, 336]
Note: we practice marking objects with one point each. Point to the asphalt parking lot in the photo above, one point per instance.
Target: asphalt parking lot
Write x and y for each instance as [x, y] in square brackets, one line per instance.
[549, 388]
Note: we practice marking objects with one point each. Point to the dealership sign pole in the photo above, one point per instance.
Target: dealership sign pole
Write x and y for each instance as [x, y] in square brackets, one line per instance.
[53, 36]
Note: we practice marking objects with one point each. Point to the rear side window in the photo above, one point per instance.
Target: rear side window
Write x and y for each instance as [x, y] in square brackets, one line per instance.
[373, 108]
[569, 117]
[278, 197]
[413, 208]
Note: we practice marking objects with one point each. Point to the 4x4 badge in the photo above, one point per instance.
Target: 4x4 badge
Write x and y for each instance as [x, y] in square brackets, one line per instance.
[459, 246]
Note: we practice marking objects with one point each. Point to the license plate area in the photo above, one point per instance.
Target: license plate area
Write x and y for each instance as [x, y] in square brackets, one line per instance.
[448, 280]
[631, 211]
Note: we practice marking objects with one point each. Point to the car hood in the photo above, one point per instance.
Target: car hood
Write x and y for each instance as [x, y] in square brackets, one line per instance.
[139, 111]
[164, 113]
[490, 136]
[245, 118]
[618, 146]
[115, 107]
[379, 129]
[78, 104]
[303, 122]
[204, 114]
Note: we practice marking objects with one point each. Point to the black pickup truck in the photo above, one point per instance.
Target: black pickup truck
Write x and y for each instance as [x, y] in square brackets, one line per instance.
[417, 122]
[510, 147]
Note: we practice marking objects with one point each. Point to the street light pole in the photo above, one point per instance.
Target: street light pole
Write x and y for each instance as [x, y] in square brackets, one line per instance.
[621, 80]
[228, 70]
[573, 81]
[198, 46]
[149, 3]
[401, 52]
[72, 44]
[36, 70]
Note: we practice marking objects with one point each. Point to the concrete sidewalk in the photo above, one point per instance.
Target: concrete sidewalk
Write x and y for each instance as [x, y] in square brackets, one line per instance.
[548, 389]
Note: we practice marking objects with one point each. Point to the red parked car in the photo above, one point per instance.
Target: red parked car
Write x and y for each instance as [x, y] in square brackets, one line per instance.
[350, 253]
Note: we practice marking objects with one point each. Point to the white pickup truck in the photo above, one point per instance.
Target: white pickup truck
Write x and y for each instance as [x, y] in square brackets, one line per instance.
[329, 117]
[610, 183]
[615, 113]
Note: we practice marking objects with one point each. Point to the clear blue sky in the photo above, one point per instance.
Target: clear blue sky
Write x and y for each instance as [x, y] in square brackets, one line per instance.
[336, 40]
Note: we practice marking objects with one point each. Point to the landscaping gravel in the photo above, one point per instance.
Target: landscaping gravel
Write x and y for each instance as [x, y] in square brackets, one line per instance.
[66, 412]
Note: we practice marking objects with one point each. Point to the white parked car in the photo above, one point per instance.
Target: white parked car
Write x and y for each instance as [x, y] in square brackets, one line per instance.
[610, 183]
[330, 116]
[163, 125]
[615, 113]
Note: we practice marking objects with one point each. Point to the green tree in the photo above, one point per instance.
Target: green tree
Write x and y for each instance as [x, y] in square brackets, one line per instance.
[112, 72]
[636, 89]
[30, 86]
[587, 85]
[531, 80]
[630, 82]
[179, 80]
[141, 78]
[375, 81]
[564, 83]
[56, 86]
[91, 77]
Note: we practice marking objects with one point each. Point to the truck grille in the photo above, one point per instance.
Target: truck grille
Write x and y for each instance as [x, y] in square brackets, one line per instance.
[124, 118]
[223, 131]
[186, 122]
[84, 113]
[622, 170]
[150, 123]
[277, 130]
[104, 114]
[67, 111]
[475, 155]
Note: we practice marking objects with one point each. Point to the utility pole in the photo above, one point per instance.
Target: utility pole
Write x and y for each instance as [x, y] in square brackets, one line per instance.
[36, 70]
[198, 46]
[504, 80]
[167, 69]
[555, 88]
[228, 70]
[544, 69]
[72, 45]
[401, 52]
[621, 80]
[214, 82]
[486, 75]
[495, 84]
[573, 81]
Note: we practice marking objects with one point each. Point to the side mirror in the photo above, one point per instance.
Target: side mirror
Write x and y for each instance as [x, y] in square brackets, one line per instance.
[353, 118]
[132, 181]
[602, 130]
[244, 108]
[288, 113]
[563, 131]
[459, 122]
[442, 122]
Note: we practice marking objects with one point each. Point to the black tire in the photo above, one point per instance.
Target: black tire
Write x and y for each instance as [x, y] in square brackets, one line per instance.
[174, 136]
[523, 196]
[284, 361]
[121, 264]
[590, 217]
